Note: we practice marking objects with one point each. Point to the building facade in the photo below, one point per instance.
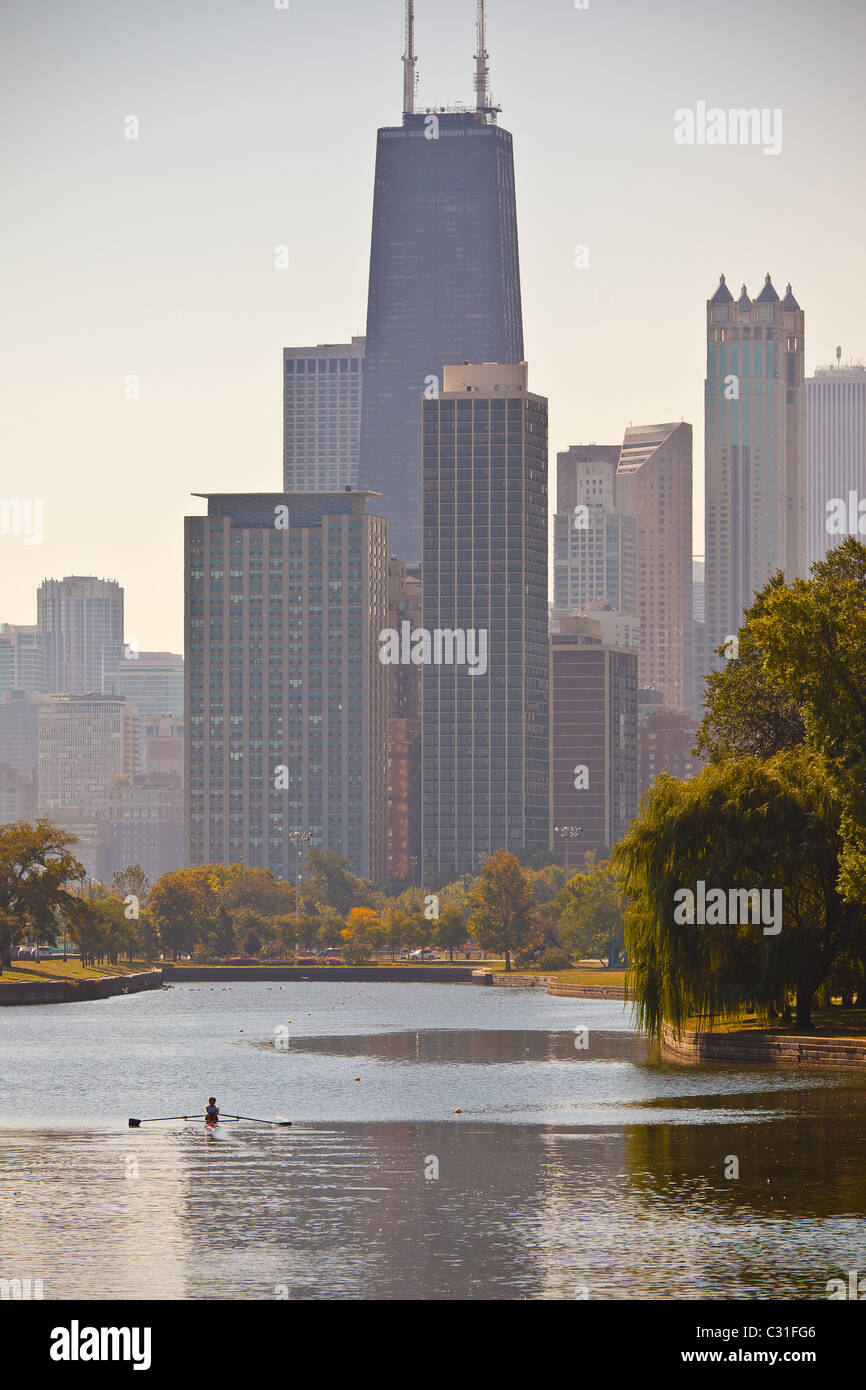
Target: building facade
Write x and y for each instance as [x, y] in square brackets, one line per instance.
[76, 618]
[85, 742]
[755, 452]
[654, 486]
[404, 733]
[322, 393]
[484, 576]
[22, 661]
[444, 287]
[593, 741]
[286, 702]
[836, 415]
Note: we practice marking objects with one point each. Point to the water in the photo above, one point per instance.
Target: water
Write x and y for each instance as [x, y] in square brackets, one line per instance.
[598, 1170]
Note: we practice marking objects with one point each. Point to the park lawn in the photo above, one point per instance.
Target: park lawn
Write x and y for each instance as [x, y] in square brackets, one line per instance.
[828, 1022]
[582, 975]
[37, 972]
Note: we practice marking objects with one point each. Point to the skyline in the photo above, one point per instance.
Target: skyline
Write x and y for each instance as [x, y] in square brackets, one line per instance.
[160, 263]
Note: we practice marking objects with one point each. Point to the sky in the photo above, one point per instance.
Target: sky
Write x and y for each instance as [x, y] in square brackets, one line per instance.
[144, 315]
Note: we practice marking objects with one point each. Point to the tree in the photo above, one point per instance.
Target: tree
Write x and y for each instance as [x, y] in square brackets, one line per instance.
[35, 866]
[183, 906]
[813, 634]
[252, 943]
[394, 924]
[746, 714]
[360, 935]
[449, 930]
[131, 880]
[591, 910]
[330, 880]
[502, 908]
[772, 826]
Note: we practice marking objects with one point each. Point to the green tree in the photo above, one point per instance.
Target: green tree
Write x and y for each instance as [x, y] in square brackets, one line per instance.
[35, 866]
[449, 930]
[813, 635]
[183, 905]
[330, 880]
[502, 909]
[252, 943]
[131, 880]
[736, 826]
[590, 904]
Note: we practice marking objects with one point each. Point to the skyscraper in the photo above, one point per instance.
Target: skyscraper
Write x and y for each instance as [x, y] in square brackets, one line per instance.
[286, 702]
[654, 485]
[484, 580]
[755, 451]
[22, 662]
[322, 392]
[444, 279]
[594, 541]
[76, 617]
[836, 413]
[593, 741]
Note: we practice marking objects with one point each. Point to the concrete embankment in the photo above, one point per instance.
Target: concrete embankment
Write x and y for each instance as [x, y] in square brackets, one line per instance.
[762, 1046]
[550, 983]
[75, 991]
[383, 974]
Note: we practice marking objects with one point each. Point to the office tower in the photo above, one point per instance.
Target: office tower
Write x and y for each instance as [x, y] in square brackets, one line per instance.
[22, 663]
[85, 741]
[17, 796]
[755, 452]
[404, 733]
[836, 415]
[593, 741]
[665, 743]
[322, 392]
[444, 281]
[654, 485]
[484, 579]
[615, 629]
[76, 617]
[145, 817]
[19, 729]
[594, 541]
[152, 681]
[286, 702]
[698, 600]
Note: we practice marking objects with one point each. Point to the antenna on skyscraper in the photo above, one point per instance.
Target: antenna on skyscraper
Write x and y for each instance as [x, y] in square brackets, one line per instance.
[409, 61]
[481, 56]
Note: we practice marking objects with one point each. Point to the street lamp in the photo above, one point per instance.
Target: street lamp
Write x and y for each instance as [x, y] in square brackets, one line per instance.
[299, 837]
[568, 833]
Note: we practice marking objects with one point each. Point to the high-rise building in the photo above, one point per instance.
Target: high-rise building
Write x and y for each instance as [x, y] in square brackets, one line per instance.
[665, 742]
[444, 281]
[654, 485]
[594, 541]
[163, 745]
[755, 452]
[85, 742]
[19, 729]
[484, 579]
[322, 393]
[593, 741]
[145, 816]
[152, 681]
[76, 617]
[22, 662]
[286, 701]
[404, 733]
[17, 796]
[836, 415]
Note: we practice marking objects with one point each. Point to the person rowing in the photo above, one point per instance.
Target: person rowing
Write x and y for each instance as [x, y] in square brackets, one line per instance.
[211, 1111]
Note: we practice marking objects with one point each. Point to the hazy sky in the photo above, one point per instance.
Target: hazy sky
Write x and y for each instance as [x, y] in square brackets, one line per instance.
[154, 258]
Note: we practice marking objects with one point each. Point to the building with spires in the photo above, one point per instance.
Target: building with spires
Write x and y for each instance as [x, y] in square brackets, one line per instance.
[444, 283]
[755, 451]
[836, 413]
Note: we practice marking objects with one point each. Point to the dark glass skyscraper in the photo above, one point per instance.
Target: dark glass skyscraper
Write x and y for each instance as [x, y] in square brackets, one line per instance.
[444, 288]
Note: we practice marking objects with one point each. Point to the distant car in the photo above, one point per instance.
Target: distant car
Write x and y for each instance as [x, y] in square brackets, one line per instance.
[426, 953]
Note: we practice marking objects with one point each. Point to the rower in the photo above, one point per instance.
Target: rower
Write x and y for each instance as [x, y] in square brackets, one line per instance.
[211, 1111]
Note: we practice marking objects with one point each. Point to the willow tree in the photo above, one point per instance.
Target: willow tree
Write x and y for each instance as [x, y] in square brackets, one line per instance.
[737, 826]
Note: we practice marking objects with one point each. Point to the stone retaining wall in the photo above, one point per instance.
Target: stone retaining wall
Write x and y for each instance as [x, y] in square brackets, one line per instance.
[71, 992]
[384, 974]
[762, 1046]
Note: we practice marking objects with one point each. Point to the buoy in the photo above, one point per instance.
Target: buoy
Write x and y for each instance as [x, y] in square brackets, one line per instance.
[357, 1078]
[458, 1112]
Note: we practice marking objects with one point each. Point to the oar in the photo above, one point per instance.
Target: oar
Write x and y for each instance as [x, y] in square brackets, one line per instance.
[284, 1123]
[154, 1119]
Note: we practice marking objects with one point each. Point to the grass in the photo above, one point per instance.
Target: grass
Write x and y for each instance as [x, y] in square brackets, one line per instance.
[38, 972]
[828, 1022]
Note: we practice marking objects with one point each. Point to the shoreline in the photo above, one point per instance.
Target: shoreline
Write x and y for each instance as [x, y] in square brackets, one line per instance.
[17, 992]
[764, 1047]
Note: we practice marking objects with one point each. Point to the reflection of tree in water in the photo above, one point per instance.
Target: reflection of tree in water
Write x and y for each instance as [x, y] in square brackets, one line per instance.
[810, 1162]
[482, 1048]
